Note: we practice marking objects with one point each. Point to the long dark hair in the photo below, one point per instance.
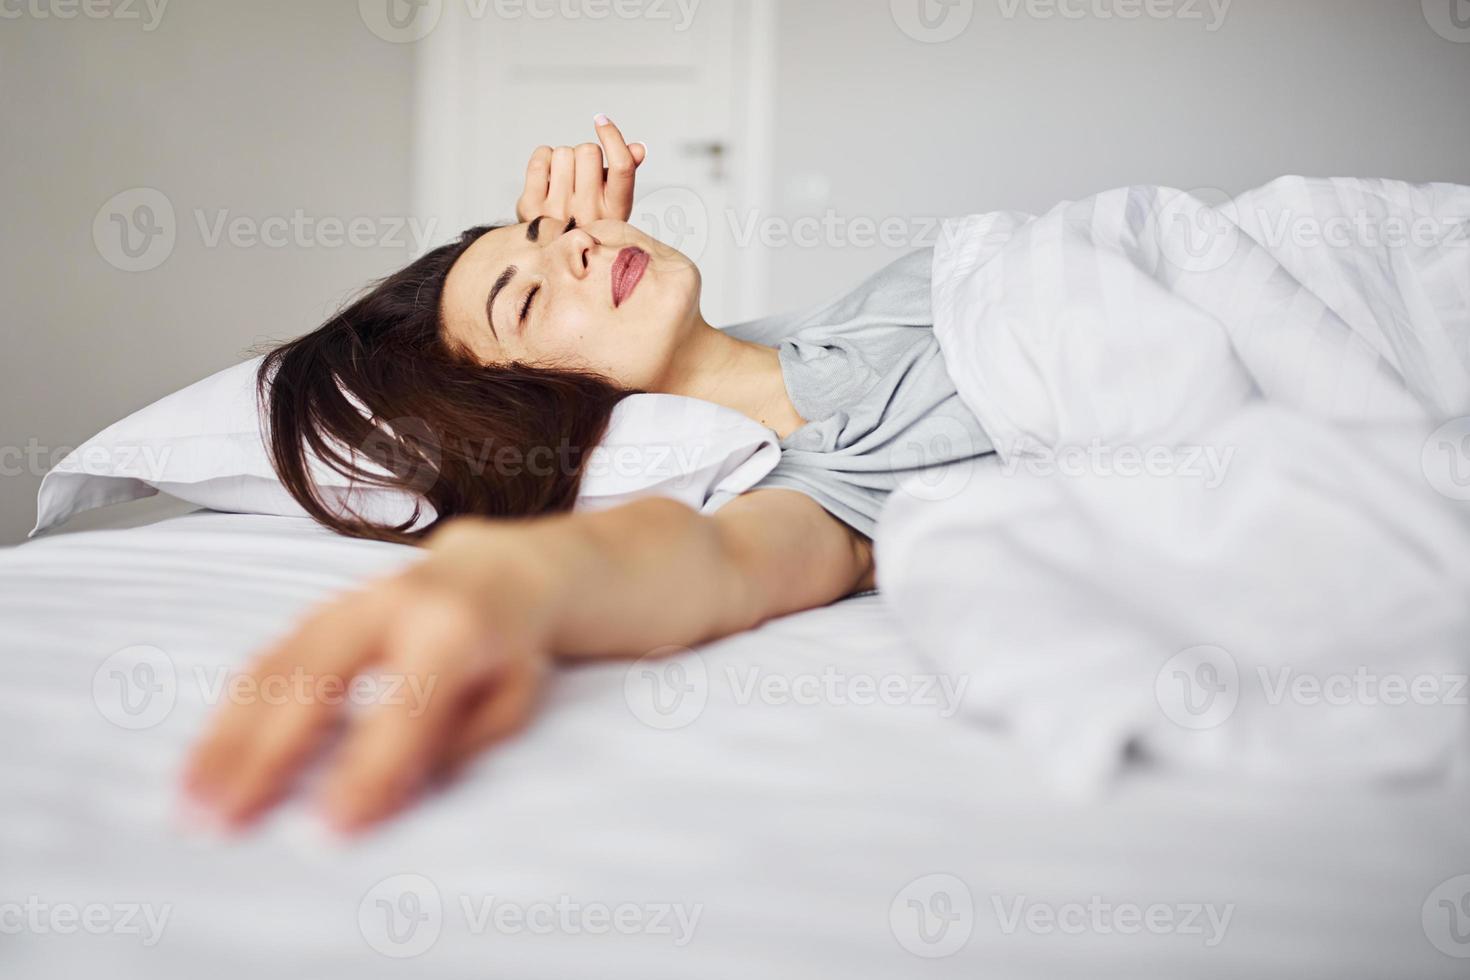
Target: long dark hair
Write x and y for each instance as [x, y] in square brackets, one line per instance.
[379, 382]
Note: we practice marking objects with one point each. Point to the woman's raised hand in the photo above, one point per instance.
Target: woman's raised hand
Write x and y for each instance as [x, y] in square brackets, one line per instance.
[575, 182]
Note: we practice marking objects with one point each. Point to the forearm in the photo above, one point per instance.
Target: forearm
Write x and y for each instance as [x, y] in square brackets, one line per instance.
[617, 582]
[480, 618]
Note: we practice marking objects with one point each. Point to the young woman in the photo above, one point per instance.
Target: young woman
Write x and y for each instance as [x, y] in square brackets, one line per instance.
[526, 336]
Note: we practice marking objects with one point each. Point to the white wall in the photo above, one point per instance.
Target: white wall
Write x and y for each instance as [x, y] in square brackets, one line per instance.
[1021, 113]
[259, 108]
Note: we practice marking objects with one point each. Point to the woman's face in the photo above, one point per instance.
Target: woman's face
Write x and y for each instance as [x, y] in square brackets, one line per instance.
[606, 298]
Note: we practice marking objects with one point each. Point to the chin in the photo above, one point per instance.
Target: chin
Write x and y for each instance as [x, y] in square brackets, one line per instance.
[683, 277]
[688, 303]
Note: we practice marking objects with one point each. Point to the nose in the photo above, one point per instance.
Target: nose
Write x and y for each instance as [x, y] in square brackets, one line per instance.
[578, 249]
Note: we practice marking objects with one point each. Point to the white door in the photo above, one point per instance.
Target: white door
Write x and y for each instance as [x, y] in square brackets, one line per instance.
[690, 79]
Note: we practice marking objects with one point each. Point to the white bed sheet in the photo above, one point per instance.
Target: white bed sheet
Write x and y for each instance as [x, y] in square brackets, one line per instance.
[792, 829]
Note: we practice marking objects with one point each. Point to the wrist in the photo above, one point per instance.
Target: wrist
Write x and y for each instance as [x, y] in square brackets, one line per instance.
[495, 566]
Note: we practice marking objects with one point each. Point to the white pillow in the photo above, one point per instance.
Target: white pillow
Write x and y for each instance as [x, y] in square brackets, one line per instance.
[204, 445]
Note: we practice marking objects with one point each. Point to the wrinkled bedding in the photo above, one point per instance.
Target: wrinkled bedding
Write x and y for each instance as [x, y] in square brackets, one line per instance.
[1226, 526]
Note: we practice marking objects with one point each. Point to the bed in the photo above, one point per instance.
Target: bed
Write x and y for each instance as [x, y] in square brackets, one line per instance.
[793, 820]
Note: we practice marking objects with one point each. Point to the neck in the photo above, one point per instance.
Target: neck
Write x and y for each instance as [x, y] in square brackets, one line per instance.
[715, 367]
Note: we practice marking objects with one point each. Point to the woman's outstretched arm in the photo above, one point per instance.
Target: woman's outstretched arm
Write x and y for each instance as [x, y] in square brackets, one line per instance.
[469, 633]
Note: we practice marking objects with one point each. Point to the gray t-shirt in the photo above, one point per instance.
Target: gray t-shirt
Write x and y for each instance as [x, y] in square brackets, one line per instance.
[866, 373]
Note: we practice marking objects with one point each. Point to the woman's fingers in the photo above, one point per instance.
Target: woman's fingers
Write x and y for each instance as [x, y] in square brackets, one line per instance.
[587, 198]
[274, 714]
[622, 162]
[443, 678]
[588, 181]
[538, 183]
[438, 644]
[507, 706]
[562, 183]
[268, 761]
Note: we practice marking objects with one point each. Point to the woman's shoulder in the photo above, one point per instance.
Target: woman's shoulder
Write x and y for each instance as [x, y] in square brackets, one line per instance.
[853, 355]
[896, 294]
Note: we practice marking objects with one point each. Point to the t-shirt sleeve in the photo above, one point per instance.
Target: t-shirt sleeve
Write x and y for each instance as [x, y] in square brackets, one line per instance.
[868, 374]
[855, 506]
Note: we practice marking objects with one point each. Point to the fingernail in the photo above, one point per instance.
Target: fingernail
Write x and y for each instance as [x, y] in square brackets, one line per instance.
[320, 836]
[340, 808]
[194, 817]
[601, 119]
[335, 816]
[344, 825]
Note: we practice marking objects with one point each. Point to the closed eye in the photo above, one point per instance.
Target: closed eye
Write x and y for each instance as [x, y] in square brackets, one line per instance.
[526, 304]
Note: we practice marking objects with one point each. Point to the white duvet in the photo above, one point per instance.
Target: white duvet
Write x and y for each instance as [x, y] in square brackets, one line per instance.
[1226, 525]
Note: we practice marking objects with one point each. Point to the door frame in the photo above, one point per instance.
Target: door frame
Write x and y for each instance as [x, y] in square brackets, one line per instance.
[446, 88]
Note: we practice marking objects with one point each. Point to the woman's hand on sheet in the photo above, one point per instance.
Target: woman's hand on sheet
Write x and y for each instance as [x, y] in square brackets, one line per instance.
[450, 654]
[587, 182]
[424, 673]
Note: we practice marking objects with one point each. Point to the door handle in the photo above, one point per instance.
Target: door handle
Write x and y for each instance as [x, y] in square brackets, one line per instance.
[713, 149]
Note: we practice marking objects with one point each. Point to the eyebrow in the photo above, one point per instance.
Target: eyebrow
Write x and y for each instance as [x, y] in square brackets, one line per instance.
[533, 231]
[500, 283]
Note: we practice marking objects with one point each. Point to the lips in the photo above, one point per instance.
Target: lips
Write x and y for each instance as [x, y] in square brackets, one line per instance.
[627, 269]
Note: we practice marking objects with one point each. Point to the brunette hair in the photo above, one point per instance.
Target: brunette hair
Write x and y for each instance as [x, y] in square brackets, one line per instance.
[378, 383]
